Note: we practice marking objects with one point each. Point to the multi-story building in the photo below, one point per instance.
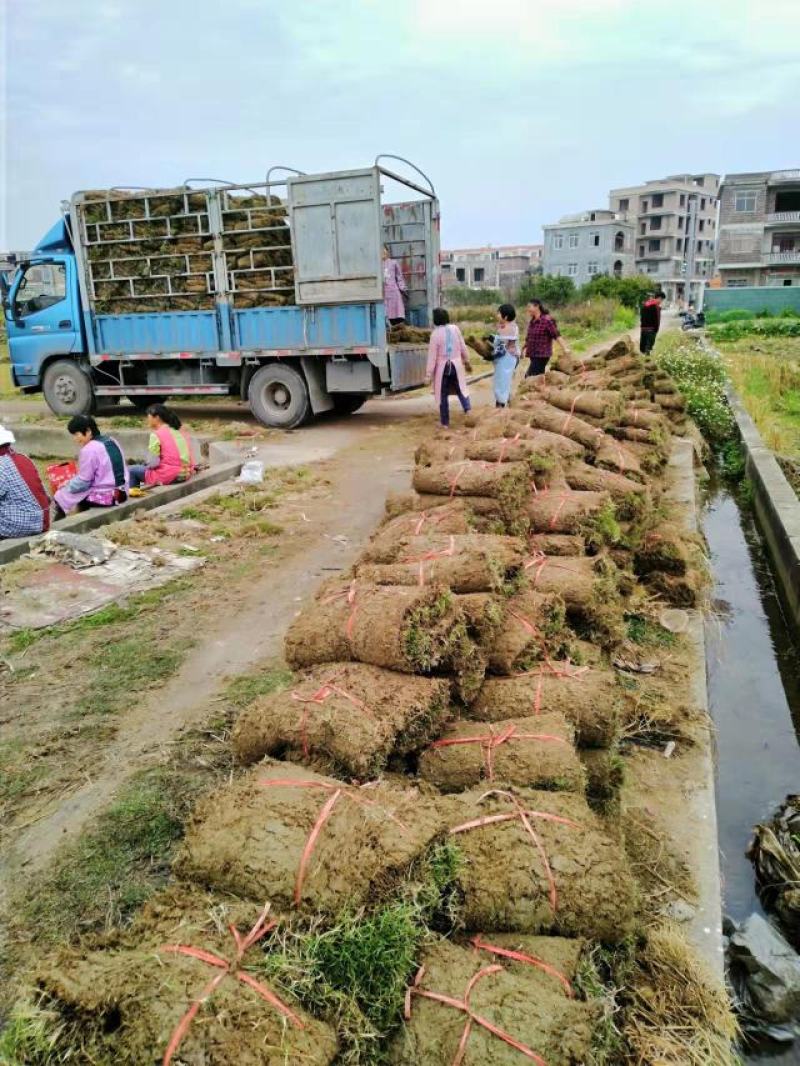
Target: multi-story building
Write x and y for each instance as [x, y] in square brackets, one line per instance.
[759, 229]
[676, 231]
[503, 267]
[594, 242]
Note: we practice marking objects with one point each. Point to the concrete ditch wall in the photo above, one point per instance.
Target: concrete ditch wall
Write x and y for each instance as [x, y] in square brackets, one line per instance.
[777, 509]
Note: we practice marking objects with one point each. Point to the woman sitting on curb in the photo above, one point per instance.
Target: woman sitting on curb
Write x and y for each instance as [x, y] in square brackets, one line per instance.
[102, 478]
[170, 455]
[24, 504]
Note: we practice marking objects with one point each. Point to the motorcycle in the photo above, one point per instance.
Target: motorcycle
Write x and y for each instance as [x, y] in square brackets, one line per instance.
[692, 320]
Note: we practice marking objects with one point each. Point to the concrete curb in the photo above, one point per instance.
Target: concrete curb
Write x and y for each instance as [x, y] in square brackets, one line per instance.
[777, 508]
[101, 516]
[44, 442]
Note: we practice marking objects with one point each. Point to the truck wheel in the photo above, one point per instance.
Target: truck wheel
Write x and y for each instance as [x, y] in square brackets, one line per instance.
[346, 403]
[278, 396]
[67, 389]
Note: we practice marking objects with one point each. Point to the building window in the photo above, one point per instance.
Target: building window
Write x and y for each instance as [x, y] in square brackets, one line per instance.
[591, 268]
[624, 204]
[679, 244]
[703, 204]
[461, 274]
[641, 250]
[572, 269]
[654, 246]
[618, 268]
[699, 247]
[682, 200]
[446, 268]
[736, 283]
[643, 227]
[558, 241]
[745, 200]
[655, 222]
[594, 239]
[701, 225]
[573, 240]
[644, 206]
[619, 241]
[658, 199]
[477, 275]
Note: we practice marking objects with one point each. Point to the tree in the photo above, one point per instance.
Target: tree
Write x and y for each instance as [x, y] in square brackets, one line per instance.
[630, 291]
[552, 290]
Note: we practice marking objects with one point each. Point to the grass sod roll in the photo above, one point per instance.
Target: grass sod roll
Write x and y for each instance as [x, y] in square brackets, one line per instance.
[581, 476]
[412, 629]
[540, 415]
[349, 717]
[533, 752]
[485, 616]
[552, 1028]
[598, 403]
[305, 841]
[533, 629]
[556, 544]
[435, 451]
[506, 482]
[124, 1004]
[663, 549]
[539, 862]
[563, 511]
[389, 540]
[475, 562]
[589, 698]
[536, 444]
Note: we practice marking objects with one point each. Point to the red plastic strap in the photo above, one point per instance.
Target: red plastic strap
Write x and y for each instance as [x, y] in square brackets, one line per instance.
[472, 1018]
[324, 692]
[524, 816]
[504, 446]
[523, 956]
[491, 741]
[429, 556]
[336, 793]
[232, 969]
[548, 667]
[571, 414]
[350, 595]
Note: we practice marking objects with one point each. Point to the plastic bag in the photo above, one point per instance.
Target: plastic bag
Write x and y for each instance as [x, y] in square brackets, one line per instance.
[764, 974]
[775, 854]
[252, 472]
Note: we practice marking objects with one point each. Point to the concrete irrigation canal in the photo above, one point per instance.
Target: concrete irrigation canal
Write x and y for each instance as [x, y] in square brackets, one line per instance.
[413, 759]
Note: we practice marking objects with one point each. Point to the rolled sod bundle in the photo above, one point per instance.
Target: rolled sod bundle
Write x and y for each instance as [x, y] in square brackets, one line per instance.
[413, 630]
[535, 444]
[635, 433]
[679, 590]
[621, 458]
[662, 549]
[538, 862]
[130, 1003]
[301, 840]
[605, 776]
[599, 403]
[556, 544]
[350, 716]
[585, 478]
[389, 541]
[515, 1016]
[485, 616]
[435, 451]
[577, 580]
[670, 401]
[532, 630]
[532, 752]
[409, 335]
[504, 481]
[642, 418]
[542, 415]
[588, 697]
[555, 511]
[474, 562]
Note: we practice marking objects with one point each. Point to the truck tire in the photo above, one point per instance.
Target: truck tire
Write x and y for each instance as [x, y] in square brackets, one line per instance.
[278, 396]
[347, 403]
[67, 389]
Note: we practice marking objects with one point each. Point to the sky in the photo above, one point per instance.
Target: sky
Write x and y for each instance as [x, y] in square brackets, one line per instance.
[520, 111]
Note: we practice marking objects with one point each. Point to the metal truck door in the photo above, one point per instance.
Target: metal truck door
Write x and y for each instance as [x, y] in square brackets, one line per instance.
[411, 233]
[43, 317]
[336, 237]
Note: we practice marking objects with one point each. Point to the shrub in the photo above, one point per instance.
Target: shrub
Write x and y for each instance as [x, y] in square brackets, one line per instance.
[460, 295]
[701, 377]
[629, 291]
[756, 327]
[552, 290]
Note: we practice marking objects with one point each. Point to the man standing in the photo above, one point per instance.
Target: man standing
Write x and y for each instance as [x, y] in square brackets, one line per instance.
[24, 504]
[650, 320]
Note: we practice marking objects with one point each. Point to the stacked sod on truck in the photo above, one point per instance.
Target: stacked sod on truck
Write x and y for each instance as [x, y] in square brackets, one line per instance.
[437, 773]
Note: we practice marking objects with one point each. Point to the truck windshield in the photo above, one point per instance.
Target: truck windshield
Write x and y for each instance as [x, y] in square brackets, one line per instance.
[42, 286]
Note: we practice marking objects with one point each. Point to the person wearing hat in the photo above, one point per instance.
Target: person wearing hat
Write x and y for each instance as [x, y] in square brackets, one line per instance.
[24, 504]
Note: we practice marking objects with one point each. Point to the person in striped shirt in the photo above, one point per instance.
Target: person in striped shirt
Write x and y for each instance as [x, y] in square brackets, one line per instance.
[24, 504]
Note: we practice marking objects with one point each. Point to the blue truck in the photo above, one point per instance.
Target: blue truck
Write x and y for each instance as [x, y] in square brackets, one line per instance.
[271, 293]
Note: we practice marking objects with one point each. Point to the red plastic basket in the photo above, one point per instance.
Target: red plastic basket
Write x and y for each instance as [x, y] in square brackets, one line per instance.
[59, 474]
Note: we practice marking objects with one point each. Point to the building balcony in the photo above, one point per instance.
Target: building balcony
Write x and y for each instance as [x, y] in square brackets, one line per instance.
[779, 258]
[784, 177]
[776, 218]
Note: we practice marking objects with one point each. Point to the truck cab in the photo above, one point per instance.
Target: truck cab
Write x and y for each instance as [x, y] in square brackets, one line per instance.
[271, 292]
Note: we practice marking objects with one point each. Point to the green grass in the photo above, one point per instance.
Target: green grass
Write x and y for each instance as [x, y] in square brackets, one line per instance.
[17, 774]
[649, 634]
[113, 867]
[702, 379]
[29, 1037]
[123, 669]
[766, 375]
[242, 690]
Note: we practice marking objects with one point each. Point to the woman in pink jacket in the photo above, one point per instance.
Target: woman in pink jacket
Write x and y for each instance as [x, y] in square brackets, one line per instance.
[447, 362]
[394, 289]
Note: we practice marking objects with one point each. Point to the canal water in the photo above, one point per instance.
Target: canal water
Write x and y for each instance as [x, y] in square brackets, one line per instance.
[754, 696]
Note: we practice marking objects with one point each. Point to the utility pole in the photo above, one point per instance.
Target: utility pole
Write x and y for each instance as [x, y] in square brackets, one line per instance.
[690, 247]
